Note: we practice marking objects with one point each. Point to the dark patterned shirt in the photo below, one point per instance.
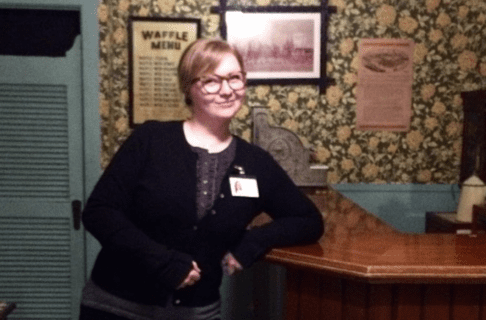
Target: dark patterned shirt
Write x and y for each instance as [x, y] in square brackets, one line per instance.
[211, 169]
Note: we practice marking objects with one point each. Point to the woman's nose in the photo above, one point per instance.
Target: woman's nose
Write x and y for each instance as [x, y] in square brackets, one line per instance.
[225, 88]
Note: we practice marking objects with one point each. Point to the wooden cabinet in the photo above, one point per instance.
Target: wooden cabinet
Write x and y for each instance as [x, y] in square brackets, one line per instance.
[363, 268]
[446, 222]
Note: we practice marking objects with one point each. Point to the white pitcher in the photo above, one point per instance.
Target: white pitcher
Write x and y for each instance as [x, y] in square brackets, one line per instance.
[473, 192]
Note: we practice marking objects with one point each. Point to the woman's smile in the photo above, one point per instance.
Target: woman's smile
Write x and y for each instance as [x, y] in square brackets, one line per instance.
[227, 104]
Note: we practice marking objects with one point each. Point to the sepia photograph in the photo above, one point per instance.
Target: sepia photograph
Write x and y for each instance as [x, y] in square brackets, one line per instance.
[277, 45]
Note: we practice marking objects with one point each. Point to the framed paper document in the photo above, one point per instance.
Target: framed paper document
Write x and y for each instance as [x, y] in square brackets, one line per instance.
[155, 48]
[385, 79]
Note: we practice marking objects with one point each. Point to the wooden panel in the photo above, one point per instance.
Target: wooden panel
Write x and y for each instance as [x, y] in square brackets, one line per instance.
[482, 304]
[309, 296]
[408, 302]
[380, 302]
[355, 300]
[331, 297]
[466, 302]
[293, 294]
[437, 302]
[314, 296]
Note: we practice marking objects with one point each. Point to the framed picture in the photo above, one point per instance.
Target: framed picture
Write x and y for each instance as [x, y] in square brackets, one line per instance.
[278, 47]
[155, 48]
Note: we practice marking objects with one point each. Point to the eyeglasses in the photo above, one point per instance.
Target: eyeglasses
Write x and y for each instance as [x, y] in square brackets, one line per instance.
[212, 84]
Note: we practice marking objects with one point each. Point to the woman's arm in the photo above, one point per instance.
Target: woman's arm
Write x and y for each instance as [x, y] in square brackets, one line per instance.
[107, 215]
[296, 220]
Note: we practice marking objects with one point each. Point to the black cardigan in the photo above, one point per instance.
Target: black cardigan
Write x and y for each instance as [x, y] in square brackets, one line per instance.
[143, 212]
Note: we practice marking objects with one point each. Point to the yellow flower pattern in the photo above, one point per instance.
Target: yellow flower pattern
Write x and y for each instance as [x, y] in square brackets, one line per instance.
[443, 20]
[347, 46]
[408, 24]
[103, 13]
[467, 60]
[419, 53]
[438, 108]
[449, 58]
[432, 5]
[343, 133]
[435, 35]
[424, 176]
[166, 6]
[459, 41]
[414, 139]
[386, 15]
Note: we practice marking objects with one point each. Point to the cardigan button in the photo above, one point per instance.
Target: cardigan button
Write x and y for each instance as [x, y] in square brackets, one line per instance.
[195, 228]
[213, 212]
[177, 302]
[221, 195]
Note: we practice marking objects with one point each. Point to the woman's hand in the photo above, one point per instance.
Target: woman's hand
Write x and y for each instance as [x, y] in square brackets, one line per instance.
[230, 264]
[193, 277]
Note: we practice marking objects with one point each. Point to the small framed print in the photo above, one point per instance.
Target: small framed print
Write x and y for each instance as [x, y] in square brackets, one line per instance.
[284, 45]
[155, 48]
[277, 45]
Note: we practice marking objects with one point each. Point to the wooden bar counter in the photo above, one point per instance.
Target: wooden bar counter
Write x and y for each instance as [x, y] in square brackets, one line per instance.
[363, 268]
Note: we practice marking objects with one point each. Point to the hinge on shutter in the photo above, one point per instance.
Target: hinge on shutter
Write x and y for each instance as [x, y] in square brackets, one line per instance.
[76, 207]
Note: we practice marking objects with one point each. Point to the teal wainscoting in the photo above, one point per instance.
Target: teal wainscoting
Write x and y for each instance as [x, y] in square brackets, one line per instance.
[403, 206]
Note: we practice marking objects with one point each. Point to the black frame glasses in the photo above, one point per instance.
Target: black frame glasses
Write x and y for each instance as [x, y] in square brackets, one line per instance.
[213, 83]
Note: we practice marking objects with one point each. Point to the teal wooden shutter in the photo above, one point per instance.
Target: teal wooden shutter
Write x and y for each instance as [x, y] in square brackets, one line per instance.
[34, 141]
[36, 266]
[41, 255]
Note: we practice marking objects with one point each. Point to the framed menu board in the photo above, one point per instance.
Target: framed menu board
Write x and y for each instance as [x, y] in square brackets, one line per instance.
[155, 48]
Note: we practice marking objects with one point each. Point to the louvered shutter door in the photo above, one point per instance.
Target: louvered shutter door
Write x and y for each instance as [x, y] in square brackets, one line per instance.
[34, 141]
[41, 256]
[36, 267]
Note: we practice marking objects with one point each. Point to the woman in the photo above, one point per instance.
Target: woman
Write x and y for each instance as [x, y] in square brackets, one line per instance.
[164, 211]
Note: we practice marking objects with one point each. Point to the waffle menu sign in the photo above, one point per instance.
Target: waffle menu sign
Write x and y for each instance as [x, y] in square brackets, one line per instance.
[165, 40]
[155, 50]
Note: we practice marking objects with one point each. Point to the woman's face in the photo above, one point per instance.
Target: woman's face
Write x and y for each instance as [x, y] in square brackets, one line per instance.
[225, 103]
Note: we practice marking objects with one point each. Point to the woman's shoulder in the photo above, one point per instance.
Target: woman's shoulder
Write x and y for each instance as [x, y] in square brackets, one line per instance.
[155, 125]
[249, 148]
[154, 132]
[154, 128]
[253, 153]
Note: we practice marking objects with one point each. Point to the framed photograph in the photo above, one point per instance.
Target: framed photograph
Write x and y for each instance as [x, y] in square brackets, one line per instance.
[277, 47]
[155, 48]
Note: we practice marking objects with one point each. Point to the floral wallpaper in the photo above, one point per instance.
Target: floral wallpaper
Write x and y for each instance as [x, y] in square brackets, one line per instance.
[449, 57]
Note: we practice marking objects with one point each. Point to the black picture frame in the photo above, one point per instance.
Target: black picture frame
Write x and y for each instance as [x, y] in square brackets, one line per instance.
[311, 14]
[155, 47]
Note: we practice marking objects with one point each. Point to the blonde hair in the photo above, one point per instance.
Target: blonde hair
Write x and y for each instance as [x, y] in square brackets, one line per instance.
[203, 56]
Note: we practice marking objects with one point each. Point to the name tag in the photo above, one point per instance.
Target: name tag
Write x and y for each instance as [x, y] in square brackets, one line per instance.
[244, 187]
